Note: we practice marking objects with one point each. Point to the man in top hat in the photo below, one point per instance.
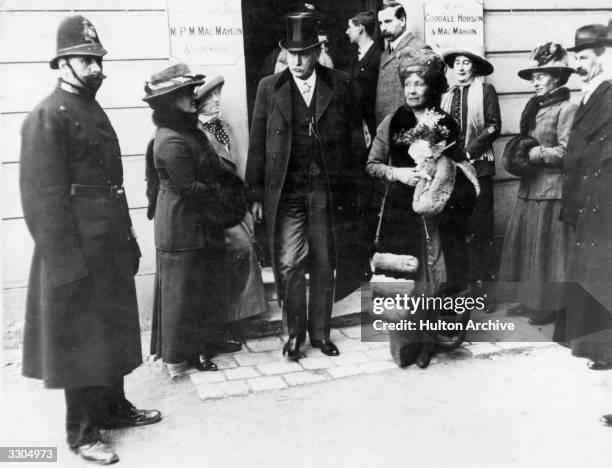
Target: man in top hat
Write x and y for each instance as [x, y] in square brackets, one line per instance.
[81, 327]
[306, 154]
[587, 208]
[389, 89]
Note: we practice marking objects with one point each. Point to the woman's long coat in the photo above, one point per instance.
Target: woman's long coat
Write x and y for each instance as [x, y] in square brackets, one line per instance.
[81, 325]
[343, 155]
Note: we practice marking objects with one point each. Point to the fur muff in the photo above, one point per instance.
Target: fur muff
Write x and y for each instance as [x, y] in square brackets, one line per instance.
[431, 196]
[229, 204]
[516, 156]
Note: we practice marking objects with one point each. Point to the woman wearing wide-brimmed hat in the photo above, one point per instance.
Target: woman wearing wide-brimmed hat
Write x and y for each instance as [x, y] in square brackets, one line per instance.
[190, 249]
[475, 106]
[533, 256]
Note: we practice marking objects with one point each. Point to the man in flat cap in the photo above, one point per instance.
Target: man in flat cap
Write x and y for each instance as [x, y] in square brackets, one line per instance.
[586, 325]
[306, 155]
[81, 327]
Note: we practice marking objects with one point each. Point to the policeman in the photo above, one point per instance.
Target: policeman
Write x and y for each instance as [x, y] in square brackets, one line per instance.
[81, 328]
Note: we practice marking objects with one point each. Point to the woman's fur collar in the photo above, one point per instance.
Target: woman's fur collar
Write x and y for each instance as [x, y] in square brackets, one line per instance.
[175, 119]
[431, 196]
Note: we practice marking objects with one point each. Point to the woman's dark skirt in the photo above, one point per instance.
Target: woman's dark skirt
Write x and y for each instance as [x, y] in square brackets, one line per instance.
[532, 268]
[188, 305]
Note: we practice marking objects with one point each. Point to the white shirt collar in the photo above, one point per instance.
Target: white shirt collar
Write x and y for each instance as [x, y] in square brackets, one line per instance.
[396, 42]
[311, 80]
[362, 52]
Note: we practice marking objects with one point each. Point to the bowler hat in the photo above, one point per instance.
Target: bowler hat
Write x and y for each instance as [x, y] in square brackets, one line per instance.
[301, 32]
[208, 86]
[76, 36]
[481, 66]
[169, 80]
[516, 156]
[589, 36]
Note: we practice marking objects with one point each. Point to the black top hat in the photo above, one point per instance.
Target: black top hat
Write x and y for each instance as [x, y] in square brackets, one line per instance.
[591, 35]
[169, 80]
[76, 36]
[301, 32]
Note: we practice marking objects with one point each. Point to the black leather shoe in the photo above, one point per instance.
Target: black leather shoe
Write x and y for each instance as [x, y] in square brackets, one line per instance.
[97, 452]
[606, 419]
[423, 359]
[133, 417]
[291, 348]
[326, 347]
[599, 365]
[203, 363]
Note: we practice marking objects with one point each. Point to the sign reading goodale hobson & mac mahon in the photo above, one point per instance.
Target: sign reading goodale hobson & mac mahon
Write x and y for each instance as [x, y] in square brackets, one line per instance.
[449, 23]
[205, 32]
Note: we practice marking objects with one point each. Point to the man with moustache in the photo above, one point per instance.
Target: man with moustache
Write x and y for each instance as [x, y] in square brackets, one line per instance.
[586, 325]
[389, 89]
[306, 155]
[81, 326]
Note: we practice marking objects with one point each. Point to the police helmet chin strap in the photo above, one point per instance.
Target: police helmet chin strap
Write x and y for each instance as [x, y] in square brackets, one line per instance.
[75, 75]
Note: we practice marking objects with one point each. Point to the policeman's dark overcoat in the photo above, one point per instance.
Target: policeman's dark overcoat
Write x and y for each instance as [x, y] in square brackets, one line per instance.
[81, 325]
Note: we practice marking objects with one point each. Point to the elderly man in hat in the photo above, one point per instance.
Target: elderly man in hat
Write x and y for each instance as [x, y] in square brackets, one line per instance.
[587, 207]
[389, 89]
[81, 327]
[305, 156]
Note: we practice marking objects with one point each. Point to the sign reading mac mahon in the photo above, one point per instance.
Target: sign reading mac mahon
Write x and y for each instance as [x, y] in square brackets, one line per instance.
[449, 23]
[205, 32]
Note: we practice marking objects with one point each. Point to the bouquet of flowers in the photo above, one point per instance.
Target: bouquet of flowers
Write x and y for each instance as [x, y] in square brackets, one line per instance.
[427, 140]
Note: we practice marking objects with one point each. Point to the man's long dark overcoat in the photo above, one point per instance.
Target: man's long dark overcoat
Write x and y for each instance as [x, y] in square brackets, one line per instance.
[343, 156]
[81, 325]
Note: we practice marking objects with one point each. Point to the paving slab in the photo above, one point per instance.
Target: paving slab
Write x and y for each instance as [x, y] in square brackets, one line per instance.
[222, 389]
[241, 373]
[312, 363]
[251, 359]
[199, 378]
[355, 357]
[304, 378]
[267, 383]
[344, 371]
[270, 343]
[279, 367]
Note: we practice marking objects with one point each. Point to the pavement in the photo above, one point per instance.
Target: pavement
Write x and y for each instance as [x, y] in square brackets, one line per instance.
[490, 404]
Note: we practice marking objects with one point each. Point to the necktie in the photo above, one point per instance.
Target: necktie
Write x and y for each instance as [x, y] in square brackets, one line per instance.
[216, 128]
[306, 90]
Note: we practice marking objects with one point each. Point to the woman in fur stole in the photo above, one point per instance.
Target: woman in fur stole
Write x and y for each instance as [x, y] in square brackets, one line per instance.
[430, 194]
[194, 201]
[533, 257]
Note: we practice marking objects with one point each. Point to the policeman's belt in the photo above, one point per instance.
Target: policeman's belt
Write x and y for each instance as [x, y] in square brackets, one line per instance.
[96, 191]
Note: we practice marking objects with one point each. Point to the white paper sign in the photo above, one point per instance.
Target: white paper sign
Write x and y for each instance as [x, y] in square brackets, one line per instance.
[205, 32]
[451, 23]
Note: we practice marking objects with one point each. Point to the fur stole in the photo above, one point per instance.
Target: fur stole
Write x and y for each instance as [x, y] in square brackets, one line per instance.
[431, 196]
[528, 117]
